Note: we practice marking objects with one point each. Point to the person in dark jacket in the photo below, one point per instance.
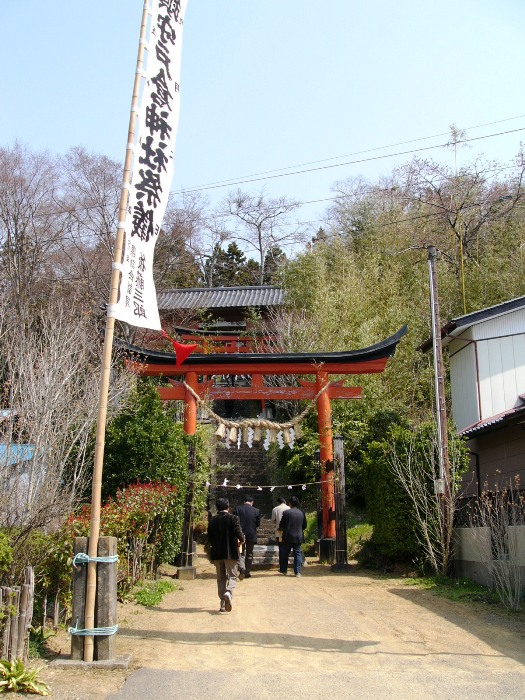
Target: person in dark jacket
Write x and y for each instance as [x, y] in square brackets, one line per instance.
[293, 525]
[224, 536]
[250, 518]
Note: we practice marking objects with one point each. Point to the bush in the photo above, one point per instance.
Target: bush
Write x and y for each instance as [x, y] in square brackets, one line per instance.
[357, 538]
[141, 517]
[49, 556]
[6, 553]
[310, 535]
[145, 444]
[389, 508]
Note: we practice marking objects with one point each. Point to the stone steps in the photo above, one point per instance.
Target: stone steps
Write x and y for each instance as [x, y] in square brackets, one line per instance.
[266, 532]
[265, 555]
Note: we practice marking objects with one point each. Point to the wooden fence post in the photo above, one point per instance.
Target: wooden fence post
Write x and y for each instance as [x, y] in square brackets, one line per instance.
[79, 600]
[23, 627]
[4, 627]
[341, 542]
[106, 601]
[13, 632]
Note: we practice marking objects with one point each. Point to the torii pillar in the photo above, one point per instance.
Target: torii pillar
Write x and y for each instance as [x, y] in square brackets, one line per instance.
[186, 570]
[324, 419]
[190, 404]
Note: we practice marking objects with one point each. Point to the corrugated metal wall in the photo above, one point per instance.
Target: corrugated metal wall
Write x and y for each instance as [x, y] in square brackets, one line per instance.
[500, 353]
[463, 383]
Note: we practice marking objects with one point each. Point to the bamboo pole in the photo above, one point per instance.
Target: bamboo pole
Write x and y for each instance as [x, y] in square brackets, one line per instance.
[94, 527]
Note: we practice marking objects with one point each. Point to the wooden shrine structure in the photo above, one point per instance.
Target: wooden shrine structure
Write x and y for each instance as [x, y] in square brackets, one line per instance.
[197, 375]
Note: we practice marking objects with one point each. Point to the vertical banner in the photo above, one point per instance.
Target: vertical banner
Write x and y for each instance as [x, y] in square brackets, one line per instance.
[152, 174]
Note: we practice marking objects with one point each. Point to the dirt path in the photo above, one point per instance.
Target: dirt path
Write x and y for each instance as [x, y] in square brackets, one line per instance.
[325, 634]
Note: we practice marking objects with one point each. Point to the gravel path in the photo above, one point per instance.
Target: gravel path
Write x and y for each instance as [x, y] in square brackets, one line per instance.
[325, 634]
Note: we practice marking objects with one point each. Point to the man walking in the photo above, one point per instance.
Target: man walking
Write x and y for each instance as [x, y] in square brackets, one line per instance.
[277, 514]
[224, 536]
[293, 525]
[250, 518]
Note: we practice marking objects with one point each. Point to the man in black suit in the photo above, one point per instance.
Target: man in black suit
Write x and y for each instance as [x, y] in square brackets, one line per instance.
[250, 518]
[293, 525]
[224, 536]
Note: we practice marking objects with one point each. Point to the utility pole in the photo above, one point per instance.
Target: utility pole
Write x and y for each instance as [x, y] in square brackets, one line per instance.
[441, 485]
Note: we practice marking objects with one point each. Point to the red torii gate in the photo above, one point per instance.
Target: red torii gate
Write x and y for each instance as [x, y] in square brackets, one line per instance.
[370, 360]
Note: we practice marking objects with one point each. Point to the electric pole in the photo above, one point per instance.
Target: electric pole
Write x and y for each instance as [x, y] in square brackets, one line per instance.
[441, 485]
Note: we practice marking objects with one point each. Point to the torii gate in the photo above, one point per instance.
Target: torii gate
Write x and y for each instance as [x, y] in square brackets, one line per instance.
[198, 370]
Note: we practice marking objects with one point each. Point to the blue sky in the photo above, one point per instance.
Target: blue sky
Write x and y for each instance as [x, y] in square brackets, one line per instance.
[271, 84]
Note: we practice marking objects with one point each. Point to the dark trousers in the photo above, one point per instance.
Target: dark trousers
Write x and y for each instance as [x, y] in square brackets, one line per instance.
[284, 552]
[246, 556]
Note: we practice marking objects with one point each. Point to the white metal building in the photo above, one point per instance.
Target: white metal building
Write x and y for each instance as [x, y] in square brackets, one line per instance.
[487, 380]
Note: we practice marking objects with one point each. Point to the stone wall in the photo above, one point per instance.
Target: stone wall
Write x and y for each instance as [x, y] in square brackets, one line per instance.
[247, 466]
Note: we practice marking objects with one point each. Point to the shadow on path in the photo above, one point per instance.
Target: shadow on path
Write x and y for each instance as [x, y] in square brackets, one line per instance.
[495, 628]
[286, 642]
[269, 640]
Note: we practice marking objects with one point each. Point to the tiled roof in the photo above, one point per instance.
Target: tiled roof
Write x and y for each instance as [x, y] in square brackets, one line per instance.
[219, 298]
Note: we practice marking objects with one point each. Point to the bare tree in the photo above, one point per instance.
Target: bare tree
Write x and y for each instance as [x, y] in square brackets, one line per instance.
[50, 373]
[203, 231]
[465, 202]
[175, 264]
[263, 223]
[417, 468]
[497, 516]
[287, 329]
[89, 199]
[31, 227]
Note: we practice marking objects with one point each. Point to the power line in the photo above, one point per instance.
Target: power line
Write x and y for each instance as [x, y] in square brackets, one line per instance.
[248, 179]
[354, 162]
[66, 210]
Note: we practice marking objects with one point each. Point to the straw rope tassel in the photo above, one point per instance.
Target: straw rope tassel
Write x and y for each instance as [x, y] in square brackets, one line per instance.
[230, 428]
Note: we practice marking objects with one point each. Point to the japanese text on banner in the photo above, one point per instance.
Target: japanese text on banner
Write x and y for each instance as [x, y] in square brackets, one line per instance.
[153, 165]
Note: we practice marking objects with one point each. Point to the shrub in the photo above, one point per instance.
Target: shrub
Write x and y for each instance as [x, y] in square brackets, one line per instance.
[389, 508]
[6, 553]
[310, 534]
[357, 537]
[144, 443]
[49, 556]
[140, 516]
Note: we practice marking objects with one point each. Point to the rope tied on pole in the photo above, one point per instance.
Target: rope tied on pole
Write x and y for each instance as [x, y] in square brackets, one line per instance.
[93, 631]
[83, 558]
